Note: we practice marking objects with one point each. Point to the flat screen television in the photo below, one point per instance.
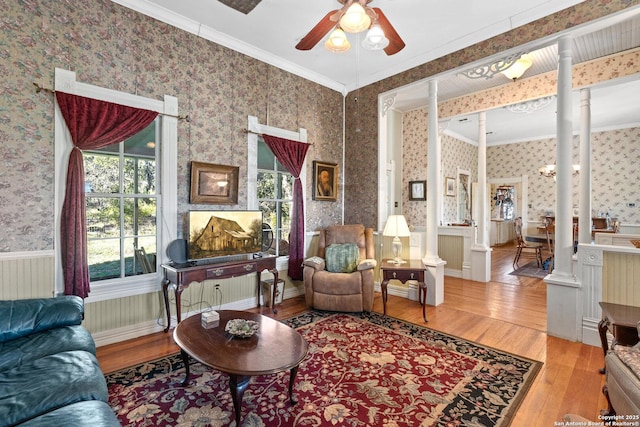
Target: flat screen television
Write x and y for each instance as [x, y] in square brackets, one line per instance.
[214, 234]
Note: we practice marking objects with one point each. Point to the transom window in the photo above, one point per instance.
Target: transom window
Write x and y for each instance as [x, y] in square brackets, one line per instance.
[275, 199]
[122, 204]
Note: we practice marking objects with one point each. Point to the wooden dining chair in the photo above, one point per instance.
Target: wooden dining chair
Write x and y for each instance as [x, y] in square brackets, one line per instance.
[522, 247]
[550, 230]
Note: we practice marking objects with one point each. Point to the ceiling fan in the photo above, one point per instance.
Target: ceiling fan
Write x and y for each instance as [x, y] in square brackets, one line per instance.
[341, 19]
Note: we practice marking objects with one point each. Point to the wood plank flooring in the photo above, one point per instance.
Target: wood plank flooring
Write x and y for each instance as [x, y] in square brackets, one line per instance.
[508, 313]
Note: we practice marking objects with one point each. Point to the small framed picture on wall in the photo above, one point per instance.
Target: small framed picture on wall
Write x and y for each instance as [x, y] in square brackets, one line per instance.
[325, 181]
[450, 186]
[417, 190]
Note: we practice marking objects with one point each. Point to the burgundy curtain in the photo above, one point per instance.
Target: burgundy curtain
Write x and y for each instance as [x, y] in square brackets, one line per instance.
[291, 154]
[93, 124]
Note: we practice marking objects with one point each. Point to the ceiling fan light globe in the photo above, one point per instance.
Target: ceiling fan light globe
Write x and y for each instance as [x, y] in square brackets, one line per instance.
[337, 42]
[355, 19]
[375, 39]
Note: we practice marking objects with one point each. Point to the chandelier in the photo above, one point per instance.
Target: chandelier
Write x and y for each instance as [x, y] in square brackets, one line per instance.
[550, 171]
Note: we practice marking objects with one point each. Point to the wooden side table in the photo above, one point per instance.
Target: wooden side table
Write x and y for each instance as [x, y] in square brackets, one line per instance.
[622, 322]
[413, 269]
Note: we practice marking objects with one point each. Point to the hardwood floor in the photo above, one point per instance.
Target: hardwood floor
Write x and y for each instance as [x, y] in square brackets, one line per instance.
[508, 313]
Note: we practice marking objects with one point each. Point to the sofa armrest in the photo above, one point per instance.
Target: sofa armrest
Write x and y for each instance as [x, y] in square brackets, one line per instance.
[314, 262]
[23, 317]
[367, 264]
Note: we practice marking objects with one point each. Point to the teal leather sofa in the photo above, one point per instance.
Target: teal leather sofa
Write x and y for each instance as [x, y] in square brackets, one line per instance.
[49, 374]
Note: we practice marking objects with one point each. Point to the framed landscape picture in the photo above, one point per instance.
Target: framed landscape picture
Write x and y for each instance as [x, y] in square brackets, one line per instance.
[213, 184]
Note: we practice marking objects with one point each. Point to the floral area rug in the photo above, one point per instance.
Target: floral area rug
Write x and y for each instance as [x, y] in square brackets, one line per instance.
[361, 370]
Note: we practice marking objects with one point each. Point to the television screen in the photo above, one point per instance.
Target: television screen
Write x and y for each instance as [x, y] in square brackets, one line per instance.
[223, 233]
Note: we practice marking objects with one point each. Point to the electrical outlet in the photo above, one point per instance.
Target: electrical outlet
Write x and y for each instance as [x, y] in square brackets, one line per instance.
[217, 286]
[631, 205]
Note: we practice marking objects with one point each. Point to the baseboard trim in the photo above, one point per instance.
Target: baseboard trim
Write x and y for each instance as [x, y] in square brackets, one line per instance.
[124, 333]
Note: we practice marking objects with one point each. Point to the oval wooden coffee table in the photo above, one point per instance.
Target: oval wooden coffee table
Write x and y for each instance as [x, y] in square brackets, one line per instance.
[274, 348]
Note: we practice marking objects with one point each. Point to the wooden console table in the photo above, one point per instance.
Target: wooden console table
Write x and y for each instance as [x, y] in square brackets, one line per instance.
[179, 276]
[410, 270]
[622, 322]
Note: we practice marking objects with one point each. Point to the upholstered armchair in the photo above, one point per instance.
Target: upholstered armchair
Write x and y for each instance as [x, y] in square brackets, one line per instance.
[340, 276]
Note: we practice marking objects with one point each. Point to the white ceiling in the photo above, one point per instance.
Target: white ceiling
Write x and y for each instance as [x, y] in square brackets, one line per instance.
[430, 30]
[271, 31]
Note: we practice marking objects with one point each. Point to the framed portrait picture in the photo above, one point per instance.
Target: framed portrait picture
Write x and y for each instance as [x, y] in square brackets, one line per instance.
[213, 184]
[417, 190]
[450, 186]
[325, 181]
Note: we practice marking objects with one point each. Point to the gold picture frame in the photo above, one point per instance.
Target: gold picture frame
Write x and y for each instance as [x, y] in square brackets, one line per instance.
[213, 184]
[450, 186]
[325, 181]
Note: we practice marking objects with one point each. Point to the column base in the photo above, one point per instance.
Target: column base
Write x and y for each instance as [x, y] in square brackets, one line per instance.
[481, 263]
[434, 278]
[564, 307]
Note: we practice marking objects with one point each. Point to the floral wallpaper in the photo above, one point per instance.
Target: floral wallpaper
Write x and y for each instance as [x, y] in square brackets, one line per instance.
[455, 155]
[111, 46]
[361, 203]
[614, 174]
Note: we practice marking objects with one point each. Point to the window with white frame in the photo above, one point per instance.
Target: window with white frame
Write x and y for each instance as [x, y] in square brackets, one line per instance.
[131, 195]
[121, 204]
[275, 200]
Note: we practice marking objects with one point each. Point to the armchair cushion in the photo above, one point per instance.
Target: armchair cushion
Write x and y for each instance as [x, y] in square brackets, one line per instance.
[342, 258]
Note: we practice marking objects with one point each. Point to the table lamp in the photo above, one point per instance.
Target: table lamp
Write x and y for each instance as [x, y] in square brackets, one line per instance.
[396, 227]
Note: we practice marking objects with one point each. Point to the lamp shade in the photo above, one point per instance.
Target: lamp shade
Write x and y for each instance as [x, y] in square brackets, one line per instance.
[519, 67]
[355, 19]
[337, 42]
[396, 226]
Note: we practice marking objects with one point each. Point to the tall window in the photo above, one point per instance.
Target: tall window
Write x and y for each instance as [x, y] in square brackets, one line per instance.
[122, 204]
[275, 198]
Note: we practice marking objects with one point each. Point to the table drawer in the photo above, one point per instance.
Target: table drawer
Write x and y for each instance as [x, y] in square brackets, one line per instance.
[404, 275]
[230, 271]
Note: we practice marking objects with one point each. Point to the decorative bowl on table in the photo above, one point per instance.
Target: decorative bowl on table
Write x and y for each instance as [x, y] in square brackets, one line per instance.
[241, 328]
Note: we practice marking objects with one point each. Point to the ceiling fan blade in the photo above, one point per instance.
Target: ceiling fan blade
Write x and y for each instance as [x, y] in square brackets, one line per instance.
[395, 42]
[317, 33]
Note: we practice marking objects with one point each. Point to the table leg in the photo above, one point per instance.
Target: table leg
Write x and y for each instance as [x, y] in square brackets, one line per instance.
[178, 294]
[422, 298]
[383, 286]
[185, 360]
[238, 384]
[603, 325]
[274, 290]
[292, 379]
[165, 292]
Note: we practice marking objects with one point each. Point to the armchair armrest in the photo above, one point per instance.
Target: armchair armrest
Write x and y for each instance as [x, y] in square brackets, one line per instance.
[314, 262]
[367, 264]
[27, 316]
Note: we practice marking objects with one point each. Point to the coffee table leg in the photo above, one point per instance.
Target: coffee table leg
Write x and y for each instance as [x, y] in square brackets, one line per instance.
[238, 384]
[185, 360]
[292, 379]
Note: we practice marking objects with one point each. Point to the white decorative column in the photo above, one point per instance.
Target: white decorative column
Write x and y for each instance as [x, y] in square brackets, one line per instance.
[584, 215]
[564, 305]
[431, 260]
[480, 250]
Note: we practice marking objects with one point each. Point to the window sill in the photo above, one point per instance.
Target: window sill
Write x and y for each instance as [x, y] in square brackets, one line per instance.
[119, 288]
